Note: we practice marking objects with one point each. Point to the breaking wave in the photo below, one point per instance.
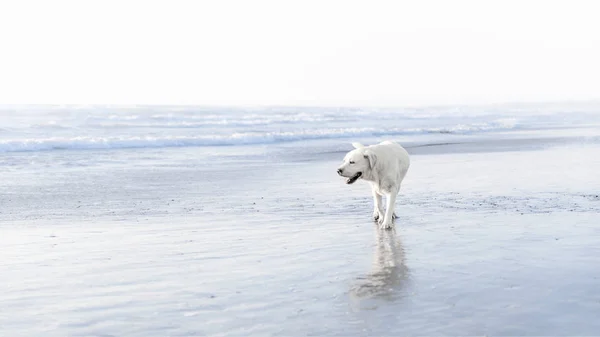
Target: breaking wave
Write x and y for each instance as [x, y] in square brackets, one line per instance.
[239, 138]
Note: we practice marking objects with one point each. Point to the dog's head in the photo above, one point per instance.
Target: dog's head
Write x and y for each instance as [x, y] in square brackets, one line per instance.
[357, 163]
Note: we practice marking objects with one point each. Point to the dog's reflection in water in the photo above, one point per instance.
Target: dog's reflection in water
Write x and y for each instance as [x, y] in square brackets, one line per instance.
[388, 273]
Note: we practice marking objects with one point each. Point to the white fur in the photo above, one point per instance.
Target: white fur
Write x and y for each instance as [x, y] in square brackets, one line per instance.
[384, 166]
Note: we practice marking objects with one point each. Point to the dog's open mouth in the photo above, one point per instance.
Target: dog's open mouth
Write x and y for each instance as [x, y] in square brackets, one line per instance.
[354, 178]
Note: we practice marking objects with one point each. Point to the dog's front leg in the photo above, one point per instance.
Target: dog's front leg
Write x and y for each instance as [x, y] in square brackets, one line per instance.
[389, 212]
[377, 205]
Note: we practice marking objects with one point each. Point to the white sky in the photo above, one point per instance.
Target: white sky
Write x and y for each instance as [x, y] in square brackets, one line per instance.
[298, 52]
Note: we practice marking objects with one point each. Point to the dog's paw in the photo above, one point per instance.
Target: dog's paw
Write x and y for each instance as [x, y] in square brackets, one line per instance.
[385, 225]
[377, 215]
[394, 216]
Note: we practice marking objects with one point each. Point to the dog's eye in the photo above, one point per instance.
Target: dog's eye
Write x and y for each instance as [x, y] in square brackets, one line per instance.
[351, 162]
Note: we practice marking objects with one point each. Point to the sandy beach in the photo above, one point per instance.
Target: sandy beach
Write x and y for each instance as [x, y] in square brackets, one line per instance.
[159, 243]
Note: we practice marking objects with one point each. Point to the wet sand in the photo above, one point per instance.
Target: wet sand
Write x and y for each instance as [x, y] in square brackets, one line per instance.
[486, 243]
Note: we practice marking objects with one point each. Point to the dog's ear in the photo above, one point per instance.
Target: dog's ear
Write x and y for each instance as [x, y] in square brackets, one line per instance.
[371, 157]
[357, 145]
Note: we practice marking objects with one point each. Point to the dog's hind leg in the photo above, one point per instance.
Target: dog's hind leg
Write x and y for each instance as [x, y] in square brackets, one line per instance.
[394, 215]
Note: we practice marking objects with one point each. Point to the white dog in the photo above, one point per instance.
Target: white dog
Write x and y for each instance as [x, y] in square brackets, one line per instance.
[384, 165]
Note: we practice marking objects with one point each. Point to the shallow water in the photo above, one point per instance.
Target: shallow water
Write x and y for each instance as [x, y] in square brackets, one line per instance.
[497, 235]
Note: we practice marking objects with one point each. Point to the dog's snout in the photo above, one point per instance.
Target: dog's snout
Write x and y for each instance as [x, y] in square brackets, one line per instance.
[339, 171]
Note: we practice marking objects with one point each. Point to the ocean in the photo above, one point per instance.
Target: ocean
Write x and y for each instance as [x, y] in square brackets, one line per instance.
[55, 128]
